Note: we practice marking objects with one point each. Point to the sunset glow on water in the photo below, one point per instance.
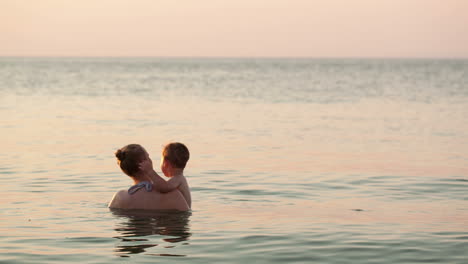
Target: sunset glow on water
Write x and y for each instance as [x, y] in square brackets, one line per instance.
[292, 160]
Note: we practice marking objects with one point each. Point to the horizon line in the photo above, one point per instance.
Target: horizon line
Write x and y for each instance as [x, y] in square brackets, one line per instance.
[232, 57]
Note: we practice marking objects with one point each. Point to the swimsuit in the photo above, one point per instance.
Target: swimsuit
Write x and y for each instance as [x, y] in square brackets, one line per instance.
[148, 186]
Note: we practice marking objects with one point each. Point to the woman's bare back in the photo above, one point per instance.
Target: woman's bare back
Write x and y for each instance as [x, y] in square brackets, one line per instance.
[149, 200]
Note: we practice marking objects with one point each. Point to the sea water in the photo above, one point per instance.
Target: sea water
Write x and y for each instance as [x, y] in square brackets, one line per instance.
[292, 160]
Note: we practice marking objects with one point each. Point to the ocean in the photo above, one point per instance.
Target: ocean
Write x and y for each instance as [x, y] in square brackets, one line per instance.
[292, 160]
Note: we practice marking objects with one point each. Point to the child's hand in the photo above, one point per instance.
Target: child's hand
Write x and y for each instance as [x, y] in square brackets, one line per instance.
[146, 165]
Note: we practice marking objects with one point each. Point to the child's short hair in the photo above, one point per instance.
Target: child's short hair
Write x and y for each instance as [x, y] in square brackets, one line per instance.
[177, 154]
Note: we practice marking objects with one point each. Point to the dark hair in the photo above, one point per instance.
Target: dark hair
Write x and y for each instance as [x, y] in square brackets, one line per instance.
[177, 154]
[129, 157]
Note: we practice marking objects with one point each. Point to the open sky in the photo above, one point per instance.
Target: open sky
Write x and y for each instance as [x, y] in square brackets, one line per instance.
[235, 28]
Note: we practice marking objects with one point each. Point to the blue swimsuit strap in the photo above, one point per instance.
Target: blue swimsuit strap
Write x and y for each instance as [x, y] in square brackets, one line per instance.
[148, 186]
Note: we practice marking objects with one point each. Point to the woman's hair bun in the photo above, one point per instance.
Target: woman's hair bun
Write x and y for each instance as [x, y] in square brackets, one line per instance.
[129, 157]
[120, 155]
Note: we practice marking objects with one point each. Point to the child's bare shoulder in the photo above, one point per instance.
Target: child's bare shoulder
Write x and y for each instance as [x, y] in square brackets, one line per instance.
[182, 178]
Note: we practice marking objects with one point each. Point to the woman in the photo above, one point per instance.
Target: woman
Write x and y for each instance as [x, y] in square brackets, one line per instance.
[141, 195]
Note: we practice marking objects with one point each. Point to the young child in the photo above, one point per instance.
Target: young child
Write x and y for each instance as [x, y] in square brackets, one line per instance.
[173, 160]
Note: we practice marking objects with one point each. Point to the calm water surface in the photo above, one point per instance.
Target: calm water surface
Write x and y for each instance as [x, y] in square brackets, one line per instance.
[292, 160]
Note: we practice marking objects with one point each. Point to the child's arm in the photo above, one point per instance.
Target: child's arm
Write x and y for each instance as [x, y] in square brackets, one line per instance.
[159, 184]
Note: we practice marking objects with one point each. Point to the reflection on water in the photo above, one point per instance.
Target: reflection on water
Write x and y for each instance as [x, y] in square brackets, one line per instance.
[139, 230]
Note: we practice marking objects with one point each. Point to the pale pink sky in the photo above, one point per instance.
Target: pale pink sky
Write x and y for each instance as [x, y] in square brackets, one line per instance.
[233, 28]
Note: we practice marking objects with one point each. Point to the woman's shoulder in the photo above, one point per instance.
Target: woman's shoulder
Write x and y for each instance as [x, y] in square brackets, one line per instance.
[120, 200]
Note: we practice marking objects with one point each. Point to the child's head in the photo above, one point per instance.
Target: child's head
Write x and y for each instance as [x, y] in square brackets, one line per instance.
[129, 158]
[174, 156]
